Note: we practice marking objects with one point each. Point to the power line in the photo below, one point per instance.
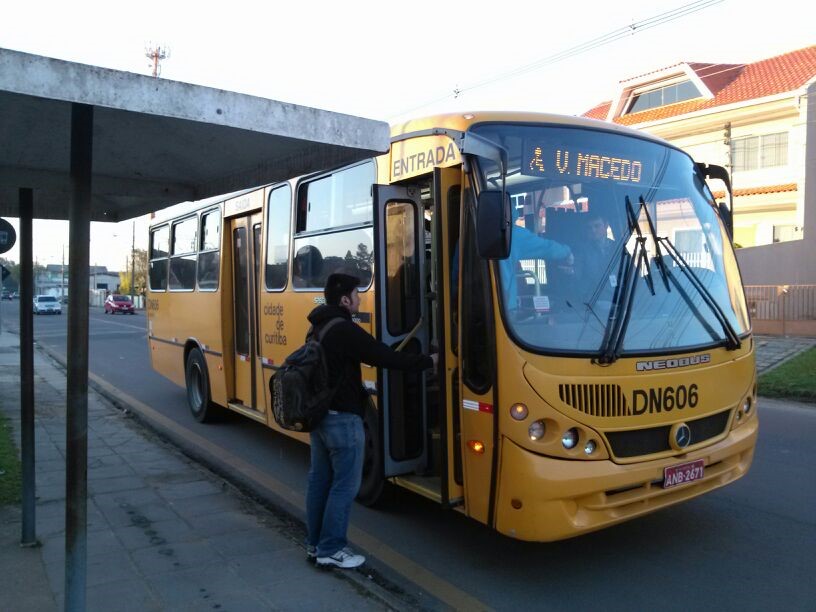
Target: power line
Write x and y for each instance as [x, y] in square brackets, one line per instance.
[614, 35]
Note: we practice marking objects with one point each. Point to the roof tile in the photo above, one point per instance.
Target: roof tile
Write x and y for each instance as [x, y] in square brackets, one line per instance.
[731, 83]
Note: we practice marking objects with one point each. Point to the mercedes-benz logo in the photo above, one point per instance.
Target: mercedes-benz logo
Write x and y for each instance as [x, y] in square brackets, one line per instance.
[680, 436]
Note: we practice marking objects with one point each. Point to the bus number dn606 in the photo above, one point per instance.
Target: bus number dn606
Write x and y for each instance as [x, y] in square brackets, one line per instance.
[664, 398]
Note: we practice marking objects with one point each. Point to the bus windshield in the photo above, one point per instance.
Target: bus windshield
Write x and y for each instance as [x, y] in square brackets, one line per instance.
[616, 248]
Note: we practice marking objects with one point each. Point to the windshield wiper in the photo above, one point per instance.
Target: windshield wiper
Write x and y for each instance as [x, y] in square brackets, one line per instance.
[732, 340]
[620, 313]
[666, 274]
[624, 294]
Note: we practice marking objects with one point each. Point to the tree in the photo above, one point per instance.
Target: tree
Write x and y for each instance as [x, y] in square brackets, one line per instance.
[140, 276]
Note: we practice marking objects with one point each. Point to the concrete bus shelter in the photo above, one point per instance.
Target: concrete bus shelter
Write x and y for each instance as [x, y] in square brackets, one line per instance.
[85, 143]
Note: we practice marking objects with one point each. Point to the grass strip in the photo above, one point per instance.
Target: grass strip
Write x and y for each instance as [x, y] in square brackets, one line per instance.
[10, 479]
[795, 379]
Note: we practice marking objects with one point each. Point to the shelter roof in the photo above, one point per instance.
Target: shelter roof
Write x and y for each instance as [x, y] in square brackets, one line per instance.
[156, 142]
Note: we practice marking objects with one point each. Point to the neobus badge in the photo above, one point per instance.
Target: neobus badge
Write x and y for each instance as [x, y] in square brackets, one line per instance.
[668, 364]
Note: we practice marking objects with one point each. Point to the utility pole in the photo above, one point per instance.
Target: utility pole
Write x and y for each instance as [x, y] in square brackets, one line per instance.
[155, 55]
[132, 262]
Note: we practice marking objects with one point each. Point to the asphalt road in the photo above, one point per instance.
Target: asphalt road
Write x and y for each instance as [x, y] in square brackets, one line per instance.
[748, 546]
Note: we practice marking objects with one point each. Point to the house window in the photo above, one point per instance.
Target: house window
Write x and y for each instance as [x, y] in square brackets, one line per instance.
[785, 233]
[670, 94]
[754, 152]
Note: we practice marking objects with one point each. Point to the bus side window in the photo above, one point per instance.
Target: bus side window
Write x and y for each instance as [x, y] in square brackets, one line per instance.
[477, 337]
[334, 227]
[277, 238]
[183, 254]
[454, 198]
[159, 250]
[209, 253]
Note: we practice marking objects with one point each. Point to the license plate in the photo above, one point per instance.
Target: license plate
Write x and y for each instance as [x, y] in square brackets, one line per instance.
[683, 473]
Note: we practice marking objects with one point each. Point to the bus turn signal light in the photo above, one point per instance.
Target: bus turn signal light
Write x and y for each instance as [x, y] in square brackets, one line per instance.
[476, 446]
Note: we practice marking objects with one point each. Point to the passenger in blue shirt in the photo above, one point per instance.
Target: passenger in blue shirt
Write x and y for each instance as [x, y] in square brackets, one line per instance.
[527, 245]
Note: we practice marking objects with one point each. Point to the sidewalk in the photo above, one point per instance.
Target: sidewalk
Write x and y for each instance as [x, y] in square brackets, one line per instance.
[163, 533]
[772, 351]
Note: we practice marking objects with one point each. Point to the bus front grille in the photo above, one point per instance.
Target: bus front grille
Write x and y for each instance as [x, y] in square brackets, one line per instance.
[651, 440]
[595, 400]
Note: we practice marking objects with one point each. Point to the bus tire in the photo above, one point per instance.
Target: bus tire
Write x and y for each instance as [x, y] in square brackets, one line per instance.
[371, 486]
[198, 388]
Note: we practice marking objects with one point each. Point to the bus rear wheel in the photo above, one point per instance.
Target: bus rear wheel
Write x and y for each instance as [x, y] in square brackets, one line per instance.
[198, 388]
[371, 487]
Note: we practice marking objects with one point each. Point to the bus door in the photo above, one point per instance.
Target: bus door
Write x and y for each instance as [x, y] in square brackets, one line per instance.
[248, 396]
[447, 451]
[477, 361]
[401, 322]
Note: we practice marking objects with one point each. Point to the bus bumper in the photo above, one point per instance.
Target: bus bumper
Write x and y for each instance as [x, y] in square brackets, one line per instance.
[544, 499]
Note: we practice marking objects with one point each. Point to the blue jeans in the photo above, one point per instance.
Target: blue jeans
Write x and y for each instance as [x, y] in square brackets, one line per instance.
[338, 445]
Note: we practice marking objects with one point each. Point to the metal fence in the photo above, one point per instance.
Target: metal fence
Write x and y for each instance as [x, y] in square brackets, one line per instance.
[782, 310]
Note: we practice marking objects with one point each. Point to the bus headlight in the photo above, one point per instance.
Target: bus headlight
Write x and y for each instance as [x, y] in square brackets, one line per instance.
[518, 411]
[590, 447]
[746, 405]
[570, 438]
[536, 430]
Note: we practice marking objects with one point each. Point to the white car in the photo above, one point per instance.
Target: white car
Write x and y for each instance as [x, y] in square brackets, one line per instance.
[47, 304]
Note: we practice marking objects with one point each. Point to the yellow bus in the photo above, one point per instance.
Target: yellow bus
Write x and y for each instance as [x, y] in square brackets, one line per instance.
[577, 279]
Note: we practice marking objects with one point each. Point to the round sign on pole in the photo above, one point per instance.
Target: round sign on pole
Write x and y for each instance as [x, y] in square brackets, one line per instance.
[7, 236]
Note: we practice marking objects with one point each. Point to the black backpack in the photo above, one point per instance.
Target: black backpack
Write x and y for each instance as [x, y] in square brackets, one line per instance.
[300, 388]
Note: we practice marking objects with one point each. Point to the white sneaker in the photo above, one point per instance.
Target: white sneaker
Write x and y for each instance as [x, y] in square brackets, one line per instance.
[342, 558]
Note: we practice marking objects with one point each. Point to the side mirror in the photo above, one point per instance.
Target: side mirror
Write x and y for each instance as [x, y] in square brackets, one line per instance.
[493, 225]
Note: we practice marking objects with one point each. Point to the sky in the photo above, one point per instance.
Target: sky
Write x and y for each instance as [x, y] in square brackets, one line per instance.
[392, 61]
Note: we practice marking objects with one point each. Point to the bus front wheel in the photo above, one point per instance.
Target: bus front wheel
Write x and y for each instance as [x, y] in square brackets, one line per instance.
[198, 387]
[371, 487]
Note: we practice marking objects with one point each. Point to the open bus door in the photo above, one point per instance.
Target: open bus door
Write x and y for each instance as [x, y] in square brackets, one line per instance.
[248, 396]
[402, 317]
[445, 228]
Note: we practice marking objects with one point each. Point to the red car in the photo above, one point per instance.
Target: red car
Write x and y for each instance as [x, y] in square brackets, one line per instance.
[119, 303]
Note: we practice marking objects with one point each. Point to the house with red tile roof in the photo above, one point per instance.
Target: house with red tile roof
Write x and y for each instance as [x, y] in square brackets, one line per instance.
[759, 121]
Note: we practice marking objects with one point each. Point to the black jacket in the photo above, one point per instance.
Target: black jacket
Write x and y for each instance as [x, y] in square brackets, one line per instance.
[346, 345]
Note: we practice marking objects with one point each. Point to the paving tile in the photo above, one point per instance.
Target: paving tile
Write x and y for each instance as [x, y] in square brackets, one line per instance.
[122, 596]
[186, 490]
[203, 505]
[224, 522]
[109, 567]
[280, 579]
[158, 533]
[211, 587]
[109, 485]
[99, 450]
[96, 474]
[50, 509]
[143, 514]
[249, 542]
[97, 542]
[45, 466]
[133, 497]
[174, 557]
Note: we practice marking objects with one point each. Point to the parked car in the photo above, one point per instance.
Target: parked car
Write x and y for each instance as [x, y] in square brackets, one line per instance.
[47, 304]
[6, 295]
[119, 303]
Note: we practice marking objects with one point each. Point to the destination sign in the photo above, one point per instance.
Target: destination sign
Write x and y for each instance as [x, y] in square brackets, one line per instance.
[559, 160]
